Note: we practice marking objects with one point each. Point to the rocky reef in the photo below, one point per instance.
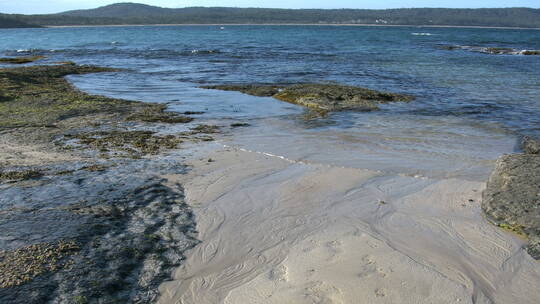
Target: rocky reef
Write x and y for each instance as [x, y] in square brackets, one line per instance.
[320, 97]
[512, 197]
[20, 60]
[490, 50]
[88, 210]
[40, 96]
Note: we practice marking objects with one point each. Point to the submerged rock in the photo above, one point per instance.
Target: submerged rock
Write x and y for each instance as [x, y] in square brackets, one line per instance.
[20, 60]
[499, 50]
[531, 146]
[250, 89]
[530, 52]
[133, 143]
[105, 236]
[490, 50]
[512, 197]
[320, 97]
[19, 175]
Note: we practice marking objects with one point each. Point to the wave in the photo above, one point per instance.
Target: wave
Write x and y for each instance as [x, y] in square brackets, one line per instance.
[19, 52]
[491, 50]
[422, 34]
[133, 53]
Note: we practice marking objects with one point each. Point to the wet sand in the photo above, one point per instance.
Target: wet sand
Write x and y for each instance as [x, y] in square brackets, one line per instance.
[278, 231]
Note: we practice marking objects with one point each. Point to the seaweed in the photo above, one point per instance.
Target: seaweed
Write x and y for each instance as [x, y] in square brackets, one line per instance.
[205, 129]
[156, 113]
[239, 124]
[320, 97]
[133, 143]
[24, 264]
[20, 175]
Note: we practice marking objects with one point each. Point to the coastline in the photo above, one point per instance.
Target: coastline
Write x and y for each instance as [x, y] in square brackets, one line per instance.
[296, 24]
[234, 226]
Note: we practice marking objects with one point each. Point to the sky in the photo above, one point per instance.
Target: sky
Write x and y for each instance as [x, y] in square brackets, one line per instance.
[55, 6]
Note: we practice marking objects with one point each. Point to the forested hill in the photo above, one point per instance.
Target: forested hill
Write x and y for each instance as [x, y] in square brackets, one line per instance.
[13, 23]
[131, 13]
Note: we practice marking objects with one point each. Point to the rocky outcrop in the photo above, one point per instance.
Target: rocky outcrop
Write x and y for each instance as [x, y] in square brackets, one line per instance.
[20, 60]
[100, 221]
[512, 197]
[320, 97]
[531, 146]
[490, 50]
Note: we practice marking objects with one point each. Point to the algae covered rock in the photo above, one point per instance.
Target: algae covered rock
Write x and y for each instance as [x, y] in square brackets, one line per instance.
[531, 146]
[250, 89]
[530, 52]
[39, 96]
[20, 60]
[321, 97]
[512, 197]
[156, 113]
[490, 50]
[499, 50]
[19, 175]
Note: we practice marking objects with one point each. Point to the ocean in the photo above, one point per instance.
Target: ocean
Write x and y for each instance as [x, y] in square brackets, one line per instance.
[470, 106]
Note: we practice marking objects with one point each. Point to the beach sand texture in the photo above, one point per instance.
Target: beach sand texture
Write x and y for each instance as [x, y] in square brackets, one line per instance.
[278, 231]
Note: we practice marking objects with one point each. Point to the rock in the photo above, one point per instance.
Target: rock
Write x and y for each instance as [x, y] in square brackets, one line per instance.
[21, 60]
[490, 50]
[449, 47]
[499, 50]
[250, 89]
[239, 125]
[20, 175]
[530, 52]
[512, 197]
[321, 97]
[158, 113]
[531, 146]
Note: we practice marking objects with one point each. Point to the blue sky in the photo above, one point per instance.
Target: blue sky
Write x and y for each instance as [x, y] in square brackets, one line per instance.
[54, 6]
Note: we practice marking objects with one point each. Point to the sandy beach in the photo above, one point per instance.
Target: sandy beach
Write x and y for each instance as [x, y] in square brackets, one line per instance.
[273, 230]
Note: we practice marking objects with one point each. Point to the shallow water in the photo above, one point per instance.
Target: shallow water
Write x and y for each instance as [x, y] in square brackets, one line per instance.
[470, 107]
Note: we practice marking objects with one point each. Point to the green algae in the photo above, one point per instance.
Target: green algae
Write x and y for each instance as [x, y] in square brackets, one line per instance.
[514, 228]
[205, 129]
[20, 175]
[22, 265]
[95, 168]
[156, 113]
[39, 96]
[239, 125]
[133, 143]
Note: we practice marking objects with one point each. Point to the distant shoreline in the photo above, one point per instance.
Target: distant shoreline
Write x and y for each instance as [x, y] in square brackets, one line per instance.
[298, 24]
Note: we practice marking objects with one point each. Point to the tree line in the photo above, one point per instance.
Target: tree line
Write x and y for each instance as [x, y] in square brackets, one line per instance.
[137, 14]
